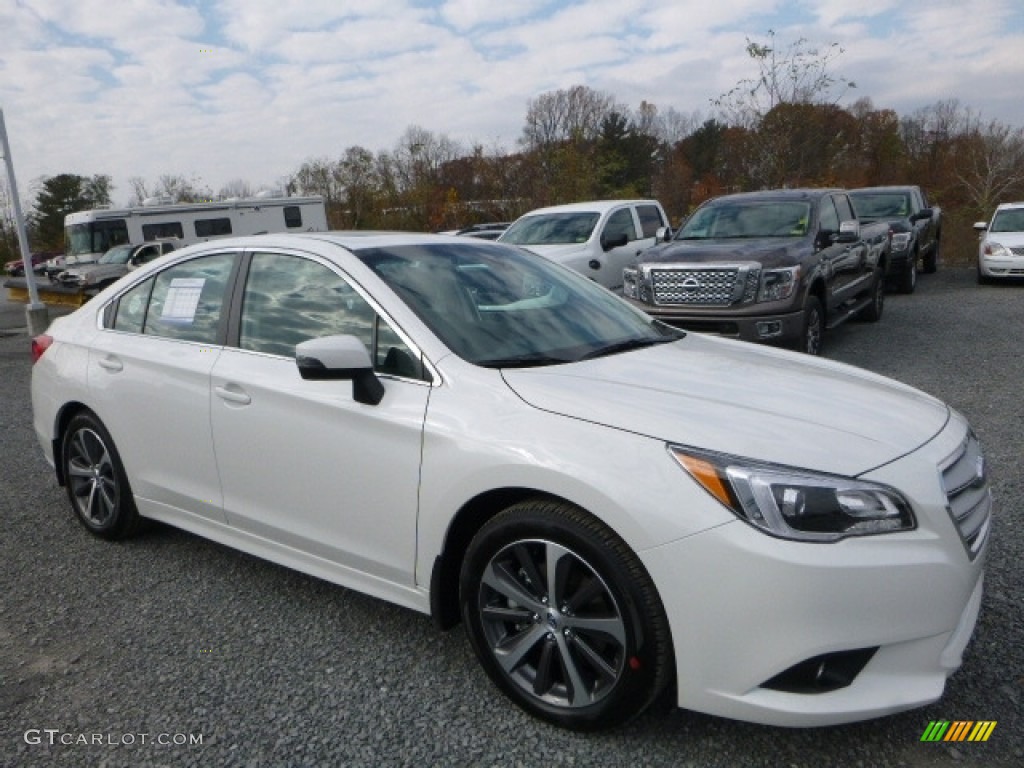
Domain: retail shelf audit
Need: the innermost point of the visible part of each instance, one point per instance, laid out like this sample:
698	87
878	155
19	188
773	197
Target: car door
149	377
839	260
619	222
303	463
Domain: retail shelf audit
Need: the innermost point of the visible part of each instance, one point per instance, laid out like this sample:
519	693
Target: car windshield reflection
501	307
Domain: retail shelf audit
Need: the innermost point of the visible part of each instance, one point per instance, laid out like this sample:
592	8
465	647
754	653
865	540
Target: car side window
289	299
619	223
650	219
827	216
131	308
187	299
845	209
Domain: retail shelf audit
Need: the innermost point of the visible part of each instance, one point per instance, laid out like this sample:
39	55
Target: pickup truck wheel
930	264
814	327
872	313
908	280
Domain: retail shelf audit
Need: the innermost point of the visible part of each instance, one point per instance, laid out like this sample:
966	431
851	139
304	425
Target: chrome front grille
1017	251
968	495
706	286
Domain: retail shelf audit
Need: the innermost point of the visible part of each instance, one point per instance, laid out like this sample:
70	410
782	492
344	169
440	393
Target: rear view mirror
340	358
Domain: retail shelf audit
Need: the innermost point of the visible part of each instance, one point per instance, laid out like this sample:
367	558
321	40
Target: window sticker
182	300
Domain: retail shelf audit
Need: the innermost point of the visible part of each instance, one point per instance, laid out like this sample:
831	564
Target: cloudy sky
225	89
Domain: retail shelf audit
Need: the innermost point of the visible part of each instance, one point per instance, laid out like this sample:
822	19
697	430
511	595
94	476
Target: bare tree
797	74
992	165
563	115
236	188
139	190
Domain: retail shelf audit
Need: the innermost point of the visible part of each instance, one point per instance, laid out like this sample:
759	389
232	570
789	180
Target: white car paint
235	446
1001	249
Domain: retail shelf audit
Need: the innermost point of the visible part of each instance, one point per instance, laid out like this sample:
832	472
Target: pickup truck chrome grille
968	494
714	286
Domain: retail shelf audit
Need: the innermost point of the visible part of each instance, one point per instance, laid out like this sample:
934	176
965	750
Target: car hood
97	270
768	251
741	399
1008	239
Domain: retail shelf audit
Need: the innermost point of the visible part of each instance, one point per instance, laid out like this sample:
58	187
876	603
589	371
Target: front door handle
232	395
111	364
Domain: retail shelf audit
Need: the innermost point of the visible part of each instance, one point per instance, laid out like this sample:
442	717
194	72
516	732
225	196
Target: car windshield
880	205
118	255
552	229
770	218
1009	220
500	307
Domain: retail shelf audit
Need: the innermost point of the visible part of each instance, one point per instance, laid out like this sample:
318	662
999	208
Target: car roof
806	194
893	189
592	206
1008	206
350	240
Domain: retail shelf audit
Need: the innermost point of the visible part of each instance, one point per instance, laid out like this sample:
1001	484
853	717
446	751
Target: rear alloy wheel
96	483
563	616
812	337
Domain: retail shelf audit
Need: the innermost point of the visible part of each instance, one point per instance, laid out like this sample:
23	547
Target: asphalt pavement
169	650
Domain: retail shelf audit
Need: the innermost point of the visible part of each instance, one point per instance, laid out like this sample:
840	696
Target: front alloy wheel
814	327
563	617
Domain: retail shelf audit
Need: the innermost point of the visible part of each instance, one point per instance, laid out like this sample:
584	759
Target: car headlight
778	284
795	503
900	241
996	250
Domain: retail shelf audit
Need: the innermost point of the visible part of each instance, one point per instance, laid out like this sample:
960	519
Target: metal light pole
37	316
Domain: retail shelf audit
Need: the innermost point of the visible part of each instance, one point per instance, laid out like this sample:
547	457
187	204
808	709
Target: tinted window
213	227
619	223
845	209
188	299
163	229
828	217
650	219
289	299
292	216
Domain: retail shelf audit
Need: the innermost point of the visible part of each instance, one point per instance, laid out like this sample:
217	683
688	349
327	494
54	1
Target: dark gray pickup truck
776	266
916	229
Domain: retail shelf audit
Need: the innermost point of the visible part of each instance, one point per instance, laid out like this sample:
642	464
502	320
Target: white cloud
250	88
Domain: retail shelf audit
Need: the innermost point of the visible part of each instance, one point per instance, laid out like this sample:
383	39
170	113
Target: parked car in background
916	229
612	507
114	264
16	268
1001	249
488	231
598	239
776	266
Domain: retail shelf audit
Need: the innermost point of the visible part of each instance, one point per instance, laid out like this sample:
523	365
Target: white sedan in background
611	507
1001	250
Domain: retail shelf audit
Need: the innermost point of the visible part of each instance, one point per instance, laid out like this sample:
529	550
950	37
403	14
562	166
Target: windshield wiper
626	346
522	361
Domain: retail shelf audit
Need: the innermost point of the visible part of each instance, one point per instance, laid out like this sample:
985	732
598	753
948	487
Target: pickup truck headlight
778	284
631	283
797	504
900	241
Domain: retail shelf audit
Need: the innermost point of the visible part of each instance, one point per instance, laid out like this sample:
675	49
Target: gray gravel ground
169	634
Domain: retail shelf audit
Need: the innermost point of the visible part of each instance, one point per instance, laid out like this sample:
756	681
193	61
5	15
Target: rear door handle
111	364
232	394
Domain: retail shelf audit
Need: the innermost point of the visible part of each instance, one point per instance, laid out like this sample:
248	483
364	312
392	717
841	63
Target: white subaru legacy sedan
614	509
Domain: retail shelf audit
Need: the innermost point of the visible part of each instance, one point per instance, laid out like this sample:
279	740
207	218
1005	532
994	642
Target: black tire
585	648
812	336
95	480
872	313
930	263
984	279
908	278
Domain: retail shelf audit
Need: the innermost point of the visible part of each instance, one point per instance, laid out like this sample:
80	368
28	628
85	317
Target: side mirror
849	231
981	226
663	235
607	243
340	358
924	213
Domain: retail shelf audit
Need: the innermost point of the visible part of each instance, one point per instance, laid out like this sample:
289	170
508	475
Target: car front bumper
747	609
773	327
1011	266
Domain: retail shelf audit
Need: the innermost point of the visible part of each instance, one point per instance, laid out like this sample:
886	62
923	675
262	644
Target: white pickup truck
598	239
